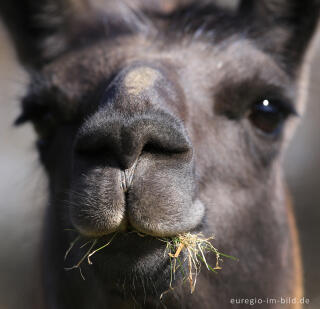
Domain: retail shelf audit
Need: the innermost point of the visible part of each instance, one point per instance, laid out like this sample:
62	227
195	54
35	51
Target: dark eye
269	115
43	118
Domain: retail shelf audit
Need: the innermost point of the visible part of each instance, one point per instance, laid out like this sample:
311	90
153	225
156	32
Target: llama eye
35	113
269	115
42	116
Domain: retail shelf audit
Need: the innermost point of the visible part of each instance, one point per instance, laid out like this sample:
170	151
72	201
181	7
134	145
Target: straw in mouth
186	252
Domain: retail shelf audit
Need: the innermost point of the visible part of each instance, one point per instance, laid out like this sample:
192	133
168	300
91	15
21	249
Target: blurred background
22	186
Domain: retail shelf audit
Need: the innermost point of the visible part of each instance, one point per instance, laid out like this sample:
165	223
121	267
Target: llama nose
133	160
126	138
133	117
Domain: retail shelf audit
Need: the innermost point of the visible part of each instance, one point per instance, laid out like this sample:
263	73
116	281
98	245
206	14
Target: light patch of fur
140	79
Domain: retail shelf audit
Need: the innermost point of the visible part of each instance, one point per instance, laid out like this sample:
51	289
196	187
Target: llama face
168	131
139	138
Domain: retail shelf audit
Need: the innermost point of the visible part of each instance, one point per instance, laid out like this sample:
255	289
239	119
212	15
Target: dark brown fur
165	90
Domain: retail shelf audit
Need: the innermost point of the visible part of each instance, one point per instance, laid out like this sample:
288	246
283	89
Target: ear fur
43	29
283	27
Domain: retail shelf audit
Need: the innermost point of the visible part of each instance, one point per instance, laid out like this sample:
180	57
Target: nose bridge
134	114
144	86
140	79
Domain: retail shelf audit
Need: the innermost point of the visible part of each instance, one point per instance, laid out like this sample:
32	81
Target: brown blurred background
22	186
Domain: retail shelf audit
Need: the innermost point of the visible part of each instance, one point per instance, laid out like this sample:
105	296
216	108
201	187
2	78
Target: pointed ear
283	27
43	29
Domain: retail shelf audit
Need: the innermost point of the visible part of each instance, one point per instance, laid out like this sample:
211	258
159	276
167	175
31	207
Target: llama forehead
232	64
243	57
79	74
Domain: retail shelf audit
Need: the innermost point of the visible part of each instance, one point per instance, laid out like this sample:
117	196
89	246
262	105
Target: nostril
159	132
88	150
154	147
97	138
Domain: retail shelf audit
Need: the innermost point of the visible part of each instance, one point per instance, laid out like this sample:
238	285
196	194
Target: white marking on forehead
140	79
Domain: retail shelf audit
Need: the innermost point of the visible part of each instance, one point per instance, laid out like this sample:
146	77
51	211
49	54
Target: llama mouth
122	257
149	197
131	255
129	245
126	252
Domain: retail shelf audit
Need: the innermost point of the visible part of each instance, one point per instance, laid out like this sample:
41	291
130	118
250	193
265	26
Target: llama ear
284	27
43	29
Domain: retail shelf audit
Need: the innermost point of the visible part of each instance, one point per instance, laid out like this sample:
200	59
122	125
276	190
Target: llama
164	117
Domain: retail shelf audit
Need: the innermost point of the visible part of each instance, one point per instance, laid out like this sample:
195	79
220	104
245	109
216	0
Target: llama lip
127	177
132	252
150	183
128	253
115	244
